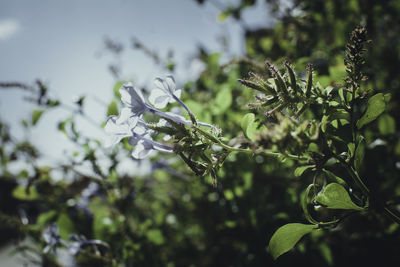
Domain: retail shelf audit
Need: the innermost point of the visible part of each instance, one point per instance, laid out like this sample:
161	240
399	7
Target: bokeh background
55	170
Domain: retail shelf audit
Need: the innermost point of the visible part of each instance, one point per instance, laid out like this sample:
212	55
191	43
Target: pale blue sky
60	43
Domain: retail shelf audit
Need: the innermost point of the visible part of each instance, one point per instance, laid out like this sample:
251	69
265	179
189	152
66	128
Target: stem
176	118
356	177
303	108
191	115
353	131
236	149
205	124
390	214
167	116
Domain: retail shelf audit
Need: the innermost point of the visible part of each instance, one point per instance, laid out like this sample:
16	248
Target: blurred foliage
169	217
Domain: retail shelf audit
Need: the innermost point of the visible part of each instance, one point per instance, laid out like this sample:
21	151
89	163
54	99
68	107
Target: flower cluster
130	122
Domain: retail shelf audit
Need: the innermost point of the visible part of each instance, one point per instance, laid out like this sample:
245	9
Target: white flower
117	131
144	144
133	100
164	93
139	134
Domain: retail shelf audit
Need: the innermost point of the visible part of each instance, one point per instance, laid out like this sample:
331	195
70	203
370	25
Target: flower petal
159	83
140	129
132	98
113	140
125	114
112	127
167	137
133	141
141	150
162	123
116	131
159	98
178	93
170	82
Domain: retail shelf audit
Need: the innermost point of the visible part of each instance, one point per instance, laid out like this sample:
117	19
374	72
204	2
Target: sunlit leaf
36	114
116	88
65	225
112	108
46	217
386	124
21	192
155	236
286	237
335	196
334	177
351	147
300	170
248	125
376	105
223	100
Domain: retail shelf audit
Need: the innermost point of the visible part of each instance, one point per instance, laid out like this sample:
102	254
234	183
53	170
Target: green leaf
335	196
326	253
223	100
21	192
112	108
66	225
286	237
376	105
36	114
386	124
46	217
351	147
248	125
155	236
222	16
359	154
116	88
229	194
299	170
334	177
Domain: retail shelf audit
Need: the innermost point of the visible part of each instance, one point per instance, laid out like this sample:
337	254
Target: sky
62	43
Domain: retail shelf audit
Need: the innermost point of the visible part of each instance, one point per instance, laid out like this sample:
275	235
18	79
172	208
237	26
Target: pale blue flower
164	93
134	103
129	123
133	99
139	134
118	131
144	144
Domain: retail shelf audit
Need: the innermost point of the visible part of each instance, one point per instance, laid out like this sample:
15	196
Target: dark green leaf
359	154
